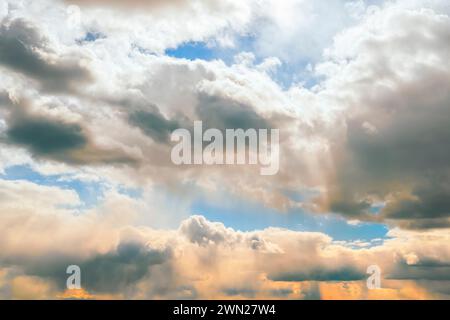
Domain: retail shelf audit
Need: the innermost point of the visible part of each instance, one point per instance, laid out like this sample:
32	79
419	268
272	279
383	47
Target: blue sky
246	216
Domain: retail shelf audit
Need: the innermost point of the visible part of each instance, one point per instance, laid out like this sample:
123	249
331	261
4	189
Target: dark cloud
5	100
425	270
222	113
214	112
426	201
320	274
112	272
246	292
391	148
423	223
45	136
154	124
56	139
404	160
24	50
117	270
351	208
394	151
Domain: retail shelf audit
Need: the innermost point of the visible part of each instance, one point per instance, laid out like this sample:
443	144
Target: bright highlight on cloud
91	91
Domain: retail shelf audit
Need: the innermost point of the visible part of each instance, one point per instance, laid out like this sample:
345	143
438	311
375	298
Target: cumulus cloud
403	163
25	50
99	99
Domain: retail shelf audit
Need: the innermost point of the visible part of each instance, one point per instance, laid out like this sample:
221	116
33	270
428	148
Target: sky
91	92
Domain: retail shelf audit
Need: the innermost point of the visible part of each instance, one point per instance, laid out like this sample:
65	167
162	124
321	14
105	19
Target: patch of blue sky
376	208
135	193
247	216
299	74
90	192
285	75
193	51
91	36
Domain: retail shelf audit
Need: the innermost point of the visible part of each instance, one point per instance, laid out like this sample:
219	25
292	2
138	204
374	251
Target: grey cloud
5	100
56	139
424	223
154	124
251	293
214	111
222	113
140	112
116	270
24	50
281	293
351	207
320	274
428	201
426	270
46	137
403	159
246	292
406	156
112	272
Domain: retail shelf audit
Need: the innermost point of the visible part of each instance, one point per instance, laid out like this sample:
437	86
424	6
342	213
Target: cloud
195	260
222	113
403	164
46	137
132	4
366	140
154	124
25	196
111	272
319	274
52	137
349	137
198	230
25	50
298	31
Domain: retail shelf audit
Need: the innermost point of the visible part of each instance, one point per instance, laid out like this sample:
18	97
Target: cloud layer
89	93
